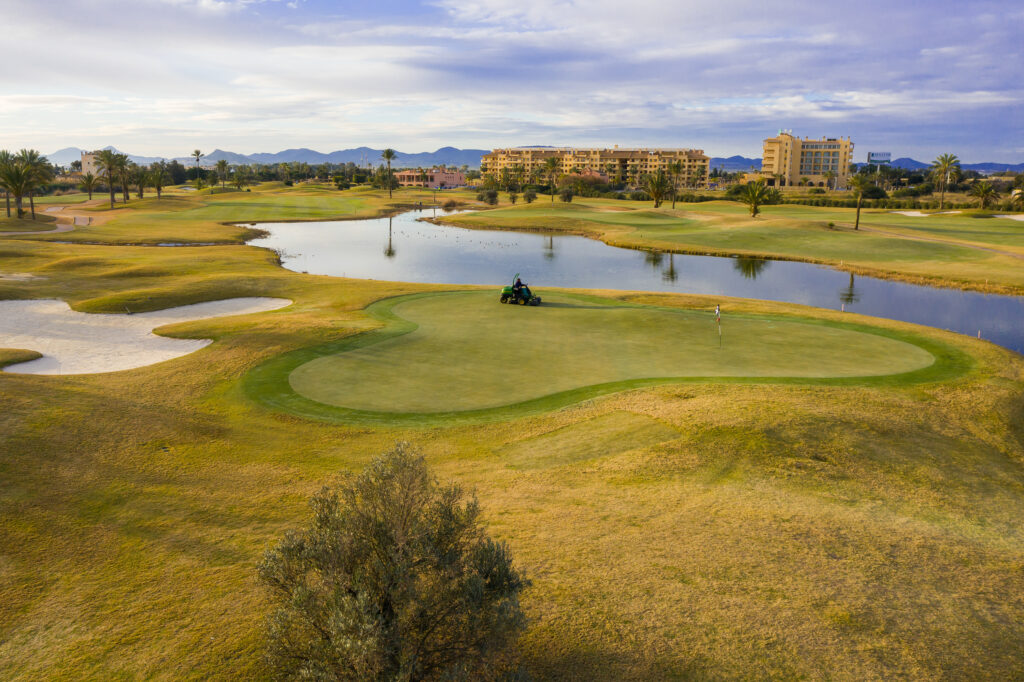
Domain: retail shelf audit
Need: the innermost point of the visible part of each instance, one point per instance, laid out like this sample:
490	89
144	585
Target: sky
163	77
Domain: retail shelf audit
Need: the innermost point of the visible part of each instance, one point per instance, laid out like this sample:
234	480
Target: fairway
468	352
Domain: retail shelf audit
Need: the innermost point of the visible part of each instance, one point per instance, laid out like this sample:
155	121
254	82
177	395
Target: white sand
83	343
19	276
1016	216
918	214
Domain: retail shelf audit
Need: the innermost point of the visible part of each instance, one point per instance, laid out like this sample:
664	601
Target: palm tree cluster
22	175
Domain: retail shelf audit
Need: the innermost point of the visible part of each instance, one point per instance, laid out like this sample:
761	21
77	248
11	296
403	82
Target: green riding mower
517	292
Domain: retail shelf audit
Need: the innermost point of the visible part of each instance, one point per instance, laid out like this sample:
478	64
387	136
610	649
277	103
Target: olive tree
393	579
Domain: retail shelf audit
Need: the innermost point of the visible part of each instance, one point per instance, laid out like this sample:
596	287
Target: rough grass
12	356
952	250
43	221
704	530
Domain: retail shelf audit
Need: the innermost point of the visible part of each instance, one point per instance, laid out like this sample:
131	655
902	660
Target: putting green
464	351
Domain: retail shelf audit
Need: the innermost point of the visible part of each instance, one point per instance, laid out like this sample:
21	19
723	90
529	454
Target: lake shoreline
920	280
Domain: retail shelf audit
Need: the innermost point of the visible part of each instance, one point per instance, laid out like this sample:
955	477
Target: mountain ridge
449	156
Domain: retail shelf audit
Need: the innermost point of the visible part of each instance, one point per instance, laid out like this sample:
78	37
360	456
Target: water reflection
750	268
848	295
670	274
367	249
389	250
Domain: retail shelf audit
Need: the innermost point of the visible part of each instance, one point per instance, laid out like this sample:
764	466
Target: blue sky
162	77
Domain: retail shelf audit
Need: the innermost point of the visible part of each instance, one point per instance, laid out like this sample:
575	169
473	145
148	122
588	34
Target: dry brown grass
786	531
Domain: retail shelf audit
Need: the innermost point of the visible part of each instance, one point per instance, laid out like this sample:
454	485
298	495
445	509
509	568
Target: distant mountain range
448	156
734	163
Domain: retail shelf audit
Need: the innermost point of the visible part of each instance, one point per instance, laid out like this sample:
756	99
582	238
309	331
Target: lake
405	249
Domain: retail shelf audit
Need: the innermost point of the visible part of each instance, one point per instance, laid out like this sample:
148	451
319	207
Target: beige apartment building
624	165
435	178
787	160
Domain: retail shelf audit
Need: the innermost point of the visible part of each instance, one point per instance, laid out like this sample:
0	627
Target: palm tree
830	177
141	178
985	192
241	177
756	194
15	179
38	172
388	155
551	170
859	184
675	169
197	155
942	167
89	182
109	162
222	171
158	176
6	159
1018	199
699	177
125	172
657	186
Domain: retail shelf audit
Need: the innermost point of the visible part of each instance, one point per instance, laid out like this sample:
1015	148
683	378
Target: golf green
464	351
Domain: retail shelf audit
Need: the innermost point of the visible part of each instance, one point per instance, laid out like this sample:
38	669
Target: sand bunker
918	214
1018	216
83	343
19	276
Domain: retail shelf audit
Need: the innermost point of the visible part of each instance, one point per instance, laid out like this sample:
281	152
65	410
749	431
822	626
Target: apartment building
789	160
623	165
435	178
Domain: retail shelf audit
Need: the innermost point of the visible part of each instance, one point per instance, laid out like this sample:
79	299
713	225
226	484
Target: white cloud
263	74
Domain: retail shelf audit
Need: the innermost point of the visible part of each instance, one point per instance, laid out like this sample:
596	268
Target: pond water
405	249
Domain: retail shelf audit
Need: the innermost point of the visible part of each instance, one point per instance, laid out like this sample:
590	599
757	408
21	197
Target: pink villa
435	178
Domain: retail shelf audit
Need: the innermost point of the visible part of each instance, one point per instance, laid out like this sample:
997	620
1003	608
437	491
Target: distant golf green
466	351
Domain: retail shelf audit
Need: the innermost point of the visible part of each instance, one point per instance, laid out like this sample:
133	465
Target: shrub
638	195
816	190
450	204
488	196
529	196
566	195
394	579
